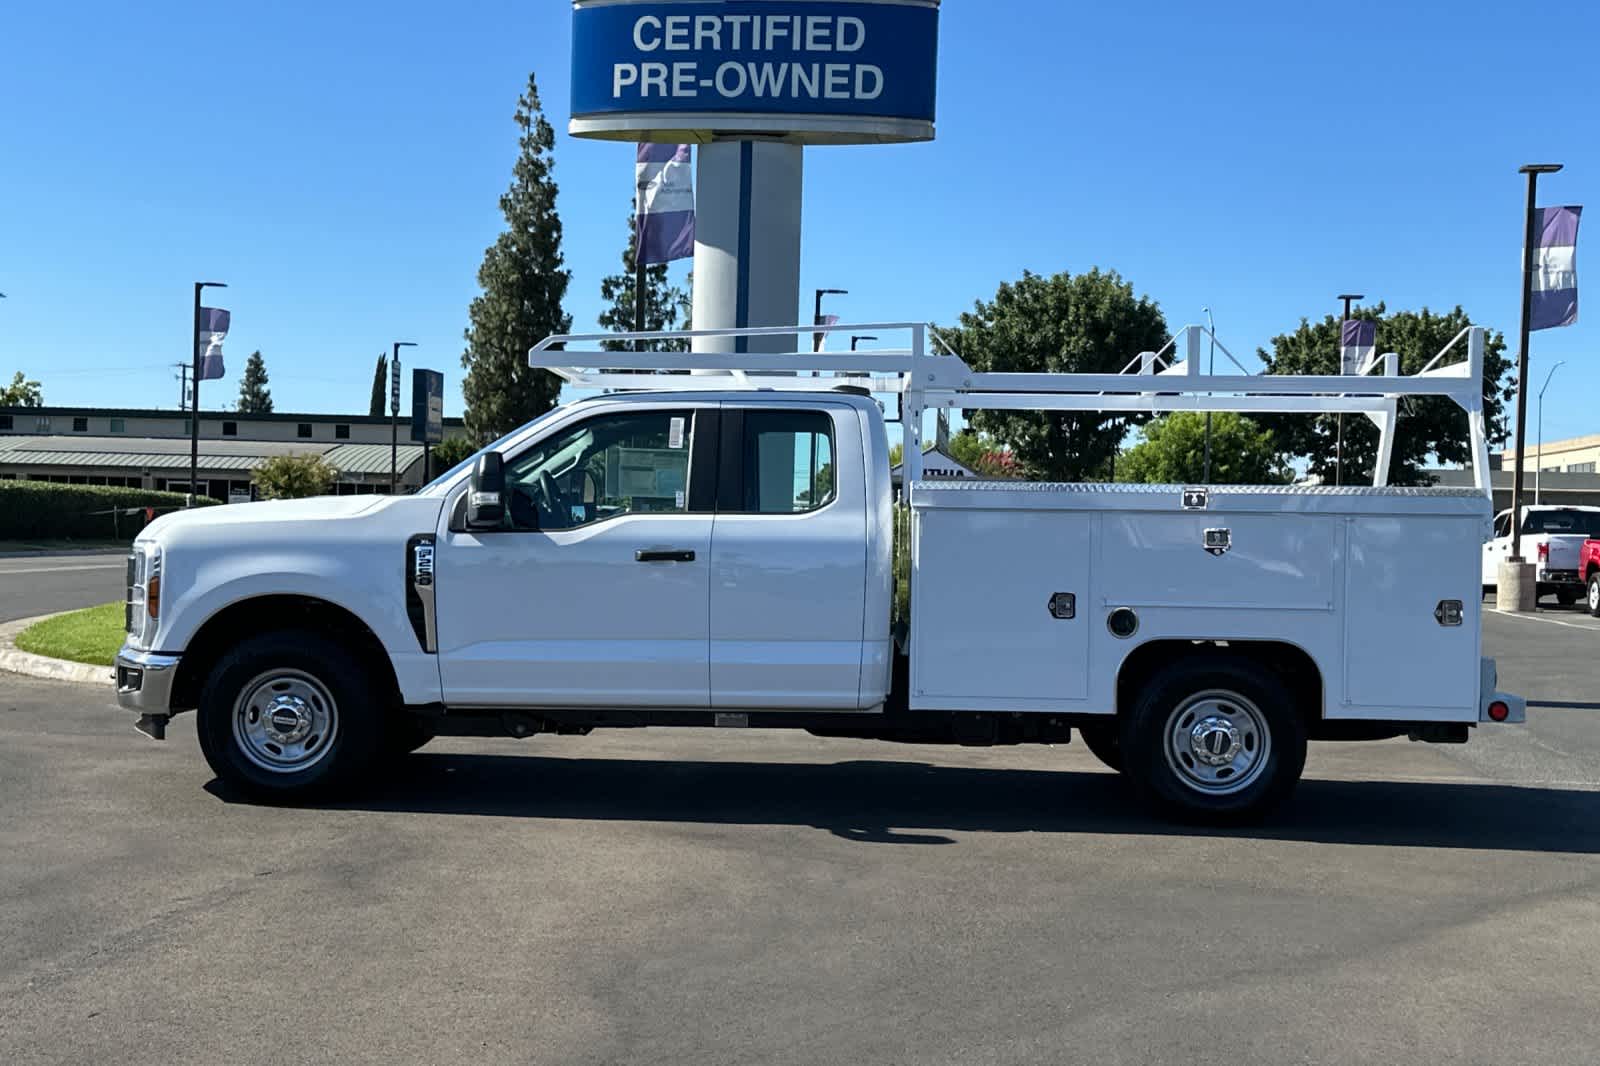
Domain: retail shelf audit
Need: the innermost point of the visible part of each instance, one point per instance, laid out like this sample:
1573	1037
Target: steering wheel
550	503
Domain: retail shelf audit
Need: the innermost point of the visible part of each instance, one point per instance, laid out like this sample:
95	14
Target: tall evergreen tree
380	386
664	303
254	396
524	281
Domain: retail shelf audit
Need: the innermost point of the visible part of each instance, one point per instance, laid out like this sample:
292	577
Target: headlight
144	594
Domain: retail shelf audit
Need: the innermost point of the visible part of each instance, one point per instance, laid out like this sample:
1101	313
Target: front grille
127	599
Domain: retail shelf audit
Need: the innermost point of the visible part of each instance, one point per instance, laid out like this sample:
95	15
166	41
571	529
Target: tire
1103	743
289	716
1238	710
1593	602
1566	597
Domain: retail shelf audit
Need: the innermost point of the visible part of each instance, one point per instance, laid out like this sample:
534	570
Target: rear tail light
1544	552
1498	711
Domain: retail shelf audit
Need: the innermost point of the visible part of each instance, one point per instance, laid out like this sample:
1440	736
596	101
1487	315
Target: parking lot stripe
1542	618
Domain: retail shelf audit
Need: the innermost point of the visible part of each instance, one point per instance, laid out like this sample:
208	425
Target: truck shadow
915	803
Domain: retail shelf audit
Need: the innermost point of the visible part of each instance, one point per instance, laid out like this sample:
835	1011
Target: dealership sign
809	71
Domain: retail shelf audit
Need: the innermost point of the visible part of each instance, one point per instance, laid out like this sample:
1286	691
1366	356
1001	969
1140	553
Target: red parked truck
1589	571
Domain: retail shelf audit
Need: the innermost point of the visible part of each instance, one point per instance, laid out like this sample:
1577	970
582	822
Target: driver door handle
664	555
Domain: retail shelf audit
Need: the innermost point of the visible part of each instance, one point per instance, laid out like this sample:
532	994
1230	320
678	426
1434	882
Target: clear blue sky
339	165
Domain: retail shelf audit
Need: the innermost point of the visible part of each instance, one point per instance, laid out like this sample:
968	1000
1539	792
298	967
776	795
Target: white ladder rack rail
928	381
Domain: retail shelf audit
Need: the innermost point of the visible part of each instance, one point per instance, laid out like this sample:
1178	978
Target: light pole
816	318
1529	237
1211	368
1538	463
194	377
857	340
394	417
1338	447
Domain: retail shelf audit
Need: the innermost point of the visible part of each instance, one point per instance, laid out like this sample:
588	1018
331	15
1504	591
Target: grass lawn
91	635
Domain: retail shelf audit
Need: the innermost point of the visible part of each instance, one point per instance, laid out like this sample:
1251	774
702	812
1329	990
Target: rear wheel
1566	597
1103	743
1594	594
289	715
1215	740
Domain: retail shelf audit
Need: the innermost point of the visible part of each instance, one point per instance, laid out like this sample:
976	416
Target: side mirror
486	506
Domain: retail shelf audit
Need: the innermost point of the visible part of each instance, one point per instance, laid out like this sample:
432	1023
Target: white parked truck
1552	539
718	549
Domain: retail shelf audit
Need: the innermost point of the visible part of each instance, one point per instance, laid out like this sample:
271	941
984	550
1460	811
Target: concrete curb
21	662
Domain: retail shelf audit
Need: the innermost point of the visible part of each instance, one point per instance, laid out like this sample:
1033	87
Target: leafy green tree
1428	426
449	452
294	477
1172	452
21	393
254	396
380	387
664	303
524	281
1084	323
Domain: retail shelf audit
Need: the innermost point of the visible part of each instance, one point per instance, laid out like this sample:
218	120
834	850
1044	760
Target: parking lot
747	897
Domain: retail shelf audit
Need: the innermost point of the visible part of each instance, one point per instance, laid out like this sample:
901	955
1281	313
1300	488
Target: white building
149	449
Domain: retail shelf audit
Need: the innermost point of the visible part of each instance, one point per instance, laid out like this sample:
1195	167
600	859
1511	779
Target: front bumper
144	684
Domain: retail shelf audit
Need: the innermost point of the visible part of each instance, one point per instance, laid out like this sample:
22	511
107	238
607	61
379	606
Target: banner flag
665	206
213	328
1554	300
1358	343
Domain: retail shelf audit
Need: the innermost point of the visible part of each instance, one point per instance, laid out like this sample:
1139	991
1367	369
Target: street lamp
1211	368
194	406
856	340
1538	463
816	318
1529	237
394	417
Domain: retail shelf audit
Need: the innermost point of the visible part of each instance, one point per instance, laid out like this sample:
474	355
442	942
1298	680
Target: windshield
1585	523
438	483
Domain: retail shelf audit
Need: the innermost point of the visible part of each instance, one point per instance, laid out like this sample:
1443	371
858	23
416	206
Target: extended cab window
788	461
611	465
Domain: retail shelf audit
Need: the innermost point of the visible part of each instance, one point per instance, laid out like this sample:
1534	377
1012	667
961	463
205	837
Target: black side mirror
486	496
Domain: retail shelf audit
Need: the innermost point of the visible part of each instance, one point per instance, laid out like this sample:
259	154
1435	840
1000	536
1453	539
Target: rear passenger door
788	559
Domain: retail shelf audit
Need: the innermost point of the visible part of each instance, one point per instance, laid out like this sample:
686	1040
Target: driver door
595	591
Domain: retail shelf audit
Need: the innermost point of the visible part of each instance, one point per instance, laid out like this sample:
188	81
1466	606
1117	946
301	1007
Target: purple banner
1554	299
665	207
214	324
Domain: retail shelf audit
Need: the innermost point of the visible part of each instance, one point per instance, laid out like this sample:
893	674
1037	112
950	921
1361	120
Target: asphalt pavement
44	584
753	897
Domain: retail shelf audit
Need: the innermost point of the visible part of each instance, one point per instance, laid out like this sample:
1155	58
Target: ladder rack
1150	383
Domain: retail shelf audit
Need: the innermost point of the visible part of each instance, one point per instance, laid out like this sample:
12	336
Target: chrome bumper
144	684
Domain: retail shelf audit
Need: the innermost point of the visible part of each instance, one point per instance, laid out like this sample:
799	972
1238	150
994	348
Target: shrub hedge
46	510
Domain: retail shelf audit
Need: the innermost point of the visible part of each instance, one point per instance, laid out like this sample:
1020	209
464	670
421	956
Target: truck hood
304	518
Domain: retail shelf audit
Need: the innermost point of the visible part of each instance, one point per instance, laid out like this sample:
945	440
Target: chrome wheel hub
1217	742
285	721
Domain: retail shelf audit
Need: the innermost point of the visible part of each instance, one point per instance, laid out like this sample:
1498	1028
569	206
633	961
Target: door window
788	461
605	467
1502	525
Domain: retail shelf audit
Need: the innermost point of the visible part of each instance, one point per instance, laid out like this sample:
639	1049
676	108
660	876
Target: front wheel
1215	740
287	716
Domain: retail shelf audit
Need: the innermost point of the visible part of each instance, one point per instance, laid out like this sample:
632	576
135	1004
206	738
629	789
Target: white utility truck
718	548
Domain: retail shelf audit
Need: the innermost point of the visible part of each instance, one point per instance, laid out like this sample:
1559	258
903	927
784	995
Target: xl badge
1218	541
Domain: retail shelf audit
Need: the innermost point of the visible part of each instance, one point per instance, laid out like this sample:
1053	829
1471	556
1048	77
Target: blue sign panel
814	71
427	406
